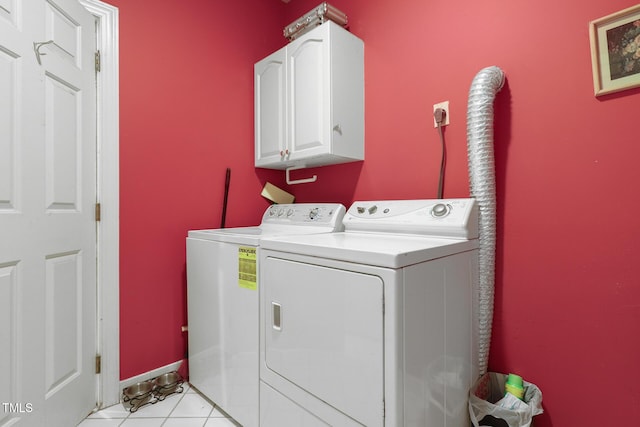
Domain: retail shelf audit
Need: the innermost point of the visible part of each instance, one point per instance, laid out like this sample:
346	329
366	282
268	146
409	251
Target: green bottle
514	386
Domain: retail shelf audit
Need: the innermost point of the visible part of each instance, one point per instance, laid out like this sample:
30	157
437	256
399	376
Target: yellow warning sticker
247	277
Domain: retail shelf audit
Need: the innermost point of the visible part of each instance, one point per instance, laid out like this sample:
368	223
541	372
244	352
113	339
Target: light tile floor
186	409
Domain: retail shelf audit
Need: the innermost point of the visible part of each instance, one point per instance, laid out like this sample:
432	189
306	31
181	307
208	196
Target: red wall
567	305
186	114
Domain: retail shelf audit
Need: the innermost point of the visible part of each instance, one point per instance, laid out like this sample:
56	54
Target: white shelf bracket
314	178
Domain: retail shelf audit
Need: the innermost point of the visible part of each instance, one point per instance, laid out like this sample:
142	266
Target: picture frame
615	51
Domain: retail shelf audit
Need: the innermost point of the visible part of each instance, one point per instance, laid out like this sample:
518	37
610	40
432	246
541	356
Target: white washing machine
375	325
223	303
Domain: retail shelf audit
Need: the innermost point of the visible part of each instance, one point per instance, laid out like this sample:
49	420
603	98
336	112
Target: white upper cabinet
309	101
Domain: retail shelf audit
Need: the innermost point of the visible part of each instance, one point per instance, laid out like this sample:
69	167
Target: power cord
440	116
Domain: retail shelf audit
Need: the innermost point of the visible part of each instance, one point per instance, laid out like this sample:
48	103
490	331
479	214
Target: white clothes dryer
375	325
223	303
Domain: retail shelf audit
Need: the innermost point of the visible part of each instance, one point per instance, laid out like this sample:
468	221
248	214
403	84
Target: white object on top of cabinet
309	101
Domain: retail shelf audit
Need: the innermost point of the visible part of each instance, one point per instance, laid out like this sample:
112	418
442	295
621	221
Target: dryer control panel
451	218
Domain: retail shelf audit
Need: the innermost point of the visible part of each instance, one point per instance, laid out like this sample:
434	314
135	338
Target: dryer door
324	333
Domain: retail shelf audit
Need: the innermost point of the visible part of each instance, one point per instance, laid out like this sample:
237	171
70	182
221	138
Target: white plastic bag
488	405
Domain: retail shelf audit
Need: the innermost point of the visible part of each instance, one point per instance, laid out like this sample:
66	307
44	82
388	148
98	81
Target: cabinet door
308	98
270	136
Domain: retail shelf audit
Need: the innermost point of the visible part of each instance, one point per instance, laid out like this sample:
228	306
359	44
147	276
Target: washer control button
313	213
440	210
373	209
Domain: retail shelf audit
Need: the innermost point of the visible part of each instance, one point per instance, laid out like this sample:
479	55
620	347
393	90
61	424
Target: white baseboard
150	374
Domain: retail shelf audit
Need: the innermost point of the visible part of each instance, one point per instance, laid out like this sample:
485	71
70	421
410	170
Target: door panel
62	146
7	10
9	71
63	29
324	333
63	346
8	335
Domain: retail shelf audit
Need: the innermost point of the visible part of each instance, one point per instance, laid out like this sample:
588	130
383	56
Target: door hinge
97	212
97	59
98	363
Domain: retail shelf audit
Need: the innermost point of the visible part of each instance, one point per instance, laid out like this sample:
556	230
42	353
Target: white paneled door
47	213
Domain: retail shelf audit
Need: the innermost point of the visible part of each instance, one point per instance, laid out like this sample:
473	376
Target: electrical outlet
445	106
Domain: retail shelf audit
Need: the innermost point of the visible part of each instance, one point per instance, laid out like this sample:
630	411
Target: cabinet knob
338	128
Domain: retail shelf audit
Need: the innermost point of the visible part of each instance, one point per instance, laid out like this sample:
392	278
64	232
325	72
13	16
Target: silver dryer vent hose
482	181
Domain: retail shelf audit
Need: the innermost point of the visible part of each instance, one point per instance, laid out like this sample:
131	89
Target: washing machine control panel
455	218
305	214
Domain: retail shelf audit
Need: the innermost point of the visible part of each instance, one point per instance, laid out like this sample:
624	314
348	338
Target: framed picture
615	51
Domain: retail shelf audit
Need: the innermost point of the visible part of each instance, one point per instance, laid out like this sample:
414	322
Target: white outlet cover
445	106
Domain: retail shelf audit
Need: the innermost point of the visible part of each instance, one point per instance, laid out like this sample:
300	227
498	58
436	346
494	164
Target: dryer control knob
440	210
313	213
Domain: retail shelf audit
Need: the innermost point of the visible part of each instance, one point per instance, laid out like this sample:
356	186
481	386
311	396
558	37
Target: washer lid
241	235
382	250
